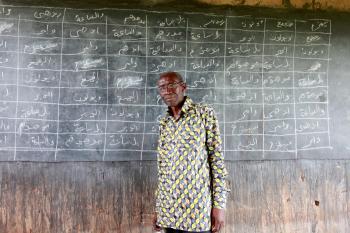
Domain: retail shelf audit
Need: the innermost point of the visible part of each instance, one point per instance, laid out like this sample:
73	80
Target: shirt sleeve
156	192
156	200
216	160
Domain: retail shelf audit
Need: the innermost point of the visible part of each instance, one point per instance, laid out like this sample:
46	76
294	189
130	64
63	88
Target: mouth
169	98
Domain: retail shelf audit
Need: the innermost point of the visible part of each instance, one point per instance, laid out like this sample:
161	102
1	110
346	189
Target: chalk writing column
127	80
311	87
205	62
40	33
166	52
278	93
243	79
83	86
9	20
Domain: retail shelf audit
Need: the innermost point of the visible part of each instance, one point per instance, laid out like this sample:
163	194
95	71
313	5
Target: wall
104	197
269	196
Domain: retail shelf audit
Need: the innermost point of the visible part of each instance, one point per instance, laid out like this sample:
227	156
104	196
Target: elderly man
191	193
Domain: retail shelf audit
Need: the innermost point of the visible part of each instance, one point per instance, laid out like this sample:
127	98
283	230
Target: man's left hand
217	219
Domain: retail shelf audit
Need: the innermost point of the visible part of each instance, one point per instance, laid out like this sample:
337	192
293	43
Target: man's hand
154	221
217	219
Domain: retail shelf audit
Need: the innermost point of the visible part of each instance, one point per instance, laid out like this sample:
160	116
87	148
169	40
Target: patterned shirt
191	169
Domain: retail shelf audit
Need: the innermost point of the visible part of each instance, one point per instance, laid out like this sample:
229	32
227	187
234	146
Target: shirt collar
185	107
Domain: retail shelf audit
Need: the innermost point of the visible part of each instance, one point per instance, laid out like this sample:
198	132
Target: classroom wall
289	196
95	197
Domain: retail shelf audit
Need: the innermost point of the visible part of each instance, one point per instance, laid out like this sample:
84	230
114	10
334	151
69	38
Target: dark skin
173	96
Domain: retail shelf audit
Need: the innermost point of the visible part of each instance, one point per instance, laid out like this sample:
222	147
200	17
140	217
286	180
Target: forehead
167	79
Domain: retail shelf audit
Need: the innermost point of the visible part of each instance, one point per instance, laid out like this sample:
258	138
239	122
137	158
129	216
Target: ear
184	86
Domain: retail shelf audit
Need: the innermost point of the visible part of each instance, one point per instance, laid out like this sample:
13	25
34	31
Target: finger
218	227
157	228
215	228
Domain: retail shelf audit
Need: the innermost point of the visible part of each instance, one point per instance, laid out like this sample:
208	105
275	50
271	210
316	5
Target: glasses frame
170	86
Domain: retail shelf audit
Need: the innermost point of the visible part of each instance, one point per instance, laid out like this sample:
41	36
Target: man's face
171	90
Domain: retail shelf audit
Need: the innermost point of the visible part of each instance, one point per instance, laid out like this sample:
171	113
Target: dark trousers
170	230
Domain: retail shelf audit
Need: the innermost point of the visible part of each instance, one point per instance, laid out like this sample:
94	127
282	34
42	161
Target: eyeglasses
171	86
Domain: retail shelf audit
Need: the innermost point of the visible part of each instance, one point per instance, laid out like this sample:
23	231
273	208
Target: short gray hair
172	73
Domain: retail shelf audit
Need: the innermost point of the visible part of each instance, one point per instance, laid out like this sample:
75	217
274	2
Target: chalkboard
80	84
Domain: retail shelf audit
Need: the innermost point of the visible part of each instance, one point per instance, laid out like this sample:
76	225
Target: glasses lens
168	86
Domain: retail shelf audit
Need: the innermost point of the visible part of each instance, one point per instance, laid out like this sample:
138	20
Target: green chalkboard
79	84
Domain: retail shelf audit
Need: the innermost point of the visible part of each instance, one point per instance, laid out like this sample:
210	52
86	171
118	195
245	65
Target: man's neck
176	111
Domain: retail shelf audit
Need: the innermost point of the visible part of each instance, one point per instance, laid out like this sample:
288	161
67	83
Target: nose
166	90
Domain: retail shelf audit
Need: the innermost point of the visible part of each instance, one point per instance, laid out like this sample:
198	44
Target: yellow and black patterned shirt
191	169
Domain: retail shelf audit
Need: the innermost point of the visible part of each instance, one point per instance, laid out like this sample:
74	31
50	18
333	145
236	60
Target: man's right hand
155	226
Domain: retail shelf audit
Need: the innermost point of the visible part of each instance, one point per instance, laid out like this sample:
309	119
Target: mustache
168	96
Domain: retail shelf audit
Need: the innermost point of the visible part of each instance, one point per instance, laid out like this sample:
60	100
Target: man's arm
154	222
217	219
218	170
155	214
